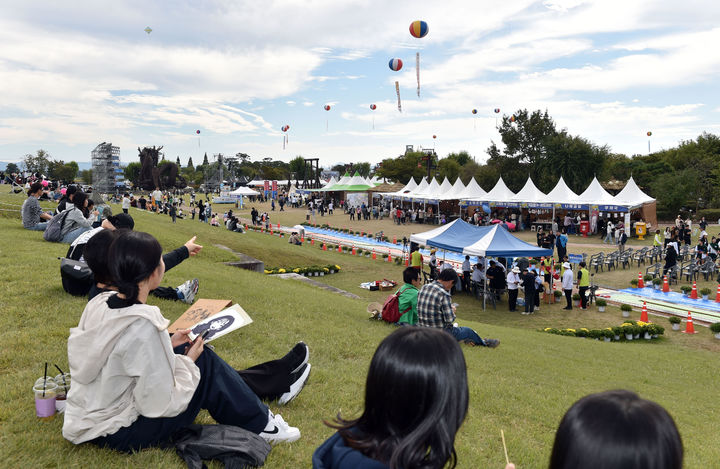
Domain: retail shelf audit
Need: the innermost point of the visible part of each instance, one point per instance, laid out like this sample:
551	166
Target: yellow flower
297	270
282	271
570	330
337	267
547	329
268	271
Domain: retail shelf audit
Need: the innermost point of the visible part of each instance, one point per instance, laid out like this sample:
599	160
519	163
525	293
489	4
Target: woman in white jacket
134	385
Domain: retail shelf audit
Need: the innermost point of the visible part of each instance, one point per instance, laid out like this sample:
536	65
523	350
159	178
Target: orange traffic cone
374	256
666	285
353	251
389	257
271	230
689	327
278	225
717	297
643	314
339	248
245	226
641	283
312	241
302	239
407	260
362	233
324	247
693	293
394	240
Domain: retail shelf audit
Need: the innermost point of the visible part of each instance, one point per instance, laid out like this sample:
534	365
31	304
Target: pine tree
178	162
190	163
205	161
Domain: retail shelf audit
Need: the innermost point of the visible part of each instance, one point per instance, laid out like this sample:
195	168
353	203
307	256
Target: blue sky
74	74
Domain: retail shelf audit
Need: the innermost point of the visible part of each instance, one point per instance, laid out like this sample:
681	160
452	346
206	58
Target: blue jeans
72	235
221	391
465	334
39	227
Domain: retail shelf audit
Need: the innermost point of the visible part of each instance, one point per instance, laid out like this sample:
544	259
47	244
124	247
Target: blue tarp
498	242
458	236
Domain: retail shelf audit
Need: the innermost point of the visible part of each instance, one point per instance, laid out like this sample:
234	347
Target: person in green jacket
407	296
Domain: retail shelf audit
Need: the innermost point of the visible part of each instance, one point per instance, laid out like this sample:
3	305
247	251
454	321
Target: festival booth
632	197
355	189
241	192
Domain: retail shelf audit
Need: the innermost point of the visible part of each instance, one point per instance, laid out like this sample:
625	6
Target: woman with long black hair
134	385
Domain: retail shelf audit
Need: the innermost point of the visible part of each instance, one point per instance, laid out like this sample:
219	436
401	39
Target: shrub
626	307
656	281
601	302
686	289
576	296
634	282
647	277
705	291
715	327
674	320
557	293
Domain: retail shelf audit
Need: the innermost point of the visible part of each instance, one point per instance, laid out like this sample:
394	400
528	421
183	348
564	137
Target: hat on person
566	265
516	270
433	251
122	220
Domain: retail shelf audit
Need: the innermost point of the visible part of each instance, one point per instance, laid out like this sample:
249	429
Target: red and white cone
374	256
641	283
666	285
643	314
689	327
693	293
717	296
389	257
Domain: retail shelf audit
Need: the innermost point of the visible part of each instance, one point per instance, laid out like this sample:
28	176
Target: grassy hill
523	387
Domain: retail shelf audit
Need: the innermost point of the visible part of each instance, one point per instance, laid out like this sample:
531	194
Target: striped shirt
434	306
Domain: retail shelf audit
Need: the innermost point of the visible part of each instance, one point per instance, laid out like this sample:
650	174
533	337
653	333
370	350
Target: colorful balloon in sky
285	128
419	29
474	111
197	132
497	110
395	64
373	107
434	136
649	133
148	29
326	107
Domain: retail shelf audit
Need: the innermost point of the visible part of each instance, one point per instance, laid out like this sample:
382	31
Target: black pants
561	253
568	298
512	298
583	296
166	293
529	300
466	280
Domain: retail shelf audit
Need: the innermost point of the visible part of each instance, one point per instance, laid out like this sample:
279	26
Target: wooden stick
502	434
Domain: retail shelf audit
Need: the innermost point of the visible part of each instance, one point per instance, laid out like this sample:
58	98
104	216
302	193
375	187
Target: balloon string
417	68
397	90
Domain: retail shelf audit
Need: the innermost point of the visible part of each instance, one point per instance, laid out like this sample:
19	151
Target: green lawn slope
523	387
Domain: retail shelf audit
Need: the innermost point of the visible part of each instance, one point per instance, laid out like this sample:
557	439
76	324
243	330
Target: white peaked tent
596	195
530	194
561	193
500	193
455	190
444	190
430	193
330	183
472	191
632	196
422	187
240	191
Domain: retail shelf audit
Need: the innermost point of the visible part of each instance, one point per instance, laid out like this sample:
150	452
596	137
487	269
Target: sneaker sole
298	386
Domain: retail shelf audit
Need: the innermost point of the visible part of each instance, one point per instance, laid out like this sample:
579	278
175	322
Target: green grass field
523	387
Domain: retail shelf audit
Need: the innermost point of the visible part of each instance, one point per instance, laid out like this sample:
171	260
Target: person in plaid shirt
435	309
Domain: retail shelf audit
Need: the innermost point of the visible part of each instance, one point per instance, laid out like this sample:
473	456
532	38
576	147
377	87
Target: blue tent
498	242
451	237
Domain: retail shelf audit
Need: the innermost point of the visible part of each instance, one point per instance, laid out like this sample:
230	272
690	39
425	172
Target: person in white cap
567	284
513	281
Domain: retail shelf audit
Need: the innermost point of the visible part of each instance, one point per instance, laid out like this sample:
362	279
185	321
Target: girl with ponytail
134	385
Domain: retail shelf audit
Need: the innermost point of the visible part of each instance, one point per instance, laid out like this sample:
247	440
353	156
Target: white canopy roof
596	195
432	191
244	191
561	193
331	182
632	195
421	238
500	193
530	193
472	191
444	190
422	187
455	190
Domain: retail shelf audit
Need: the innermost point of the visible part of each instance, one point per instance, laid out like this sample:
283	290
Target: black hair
133	257
413	423
96	255
34	187
410	274
447	275
582	264
617	429
70	191
79	200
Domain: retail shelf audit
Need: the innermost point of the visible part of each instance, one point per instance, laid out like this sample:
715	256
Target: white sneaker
188	290
278	431
296	386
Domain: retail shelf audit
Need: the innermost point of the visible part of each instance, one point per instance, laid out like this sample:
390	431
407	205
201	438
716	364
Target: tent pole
485	287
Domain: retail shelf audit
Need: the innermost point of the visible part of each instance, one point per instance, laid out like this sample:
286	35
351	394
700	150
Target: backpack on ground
53	231
391	308
77	278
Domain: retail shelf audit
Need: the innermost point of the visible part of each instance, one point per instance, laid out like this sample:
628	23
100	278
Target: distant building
106	171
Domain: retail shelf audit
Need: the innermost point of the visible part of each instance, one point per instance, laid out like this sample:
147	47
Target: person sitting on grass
435	310
135	385
408	296
95	254
415	425
77	221
32	214
295	239
617	429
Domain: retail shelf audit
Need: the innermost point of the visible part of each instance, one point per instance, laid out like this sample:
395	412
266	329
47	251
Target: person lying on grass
135	385
98	254
415	424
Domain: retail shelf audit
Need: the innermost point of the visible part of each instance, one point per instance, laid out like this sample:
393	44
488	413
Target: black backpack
53	231
77	278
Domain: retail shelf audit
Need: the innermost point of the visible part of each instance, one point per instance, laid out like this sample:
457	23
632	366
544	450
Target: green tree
362	168
86	176
38	163
297	167
190	163
676	190
462	157
402	168
177	162
132	172
448	168
340	168
525	136
205	160
62	171
11	168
